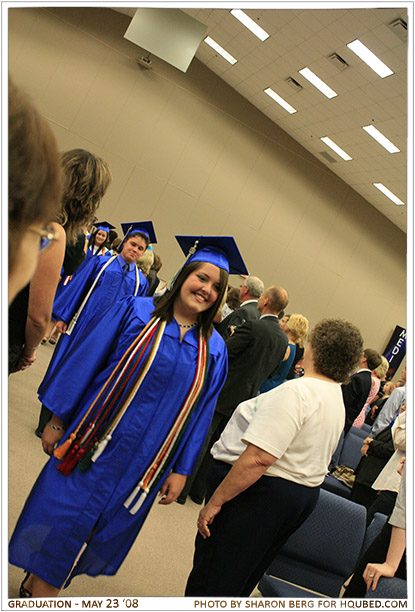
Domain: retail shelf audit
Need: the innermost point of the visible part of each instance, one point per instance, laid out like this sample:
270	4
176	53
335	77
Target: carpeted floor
161	558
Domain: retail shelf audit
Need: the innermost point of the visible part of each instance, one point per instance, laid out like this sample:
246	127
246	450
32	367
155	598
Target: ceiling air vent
294	84
338	61
400	28
328	157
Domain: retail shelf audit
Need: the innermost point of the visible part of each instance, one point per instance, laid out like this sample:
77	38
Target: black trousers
376	553
384	503
246	534
196	483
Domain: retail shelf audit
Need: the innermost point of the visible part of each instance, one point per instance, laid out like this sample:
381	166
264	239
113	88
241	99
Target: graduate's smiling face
133	248
201	288
100	238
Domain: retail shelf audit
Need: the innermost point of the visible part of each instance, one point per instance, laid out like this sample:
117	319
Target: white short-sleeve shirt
299	422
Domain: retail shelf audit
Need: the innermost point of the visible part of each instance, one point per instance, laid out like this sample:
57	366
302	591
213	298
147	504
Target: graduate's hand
50	438
61	327
205	518
172	487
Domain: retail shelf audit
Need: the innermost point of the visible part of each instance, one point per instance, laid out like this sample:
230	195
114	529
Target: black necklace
187	326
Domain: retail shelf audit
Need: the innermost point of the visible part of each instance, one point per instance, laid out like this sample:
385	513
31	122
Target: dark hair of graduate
134	234
165	303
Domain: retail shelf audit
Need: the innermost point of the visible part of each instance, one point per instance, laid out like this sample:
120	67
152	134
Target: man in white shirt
390	410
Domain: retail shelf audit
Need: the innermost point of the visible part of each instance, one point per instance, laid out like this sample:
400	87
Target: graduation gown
111	286
61	511
67	277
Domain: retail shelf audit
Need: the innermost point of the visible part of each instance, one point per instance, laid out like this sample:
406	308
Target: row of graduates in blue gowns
99	282
131	369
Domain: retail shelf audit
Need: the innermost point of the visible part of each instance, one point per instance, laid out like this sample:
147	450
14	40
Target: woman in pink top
377	376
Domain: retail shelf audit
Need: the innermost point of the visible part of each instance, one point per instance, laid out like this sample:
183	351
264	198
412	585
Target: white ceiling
306	37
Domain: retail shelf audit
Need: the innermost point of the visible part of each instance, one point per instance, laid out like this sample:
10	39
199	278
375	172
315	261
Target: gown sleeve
143	288
87	359
186	460
67	303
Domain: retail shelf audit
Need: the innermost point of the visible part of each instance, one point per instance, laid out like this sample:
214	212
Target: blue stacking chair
321	554
350	456
389	588
367	429
362	433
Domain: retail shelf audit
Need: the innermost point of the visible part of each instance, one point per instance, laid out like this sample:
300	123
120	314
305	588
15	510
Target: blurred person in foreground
35	183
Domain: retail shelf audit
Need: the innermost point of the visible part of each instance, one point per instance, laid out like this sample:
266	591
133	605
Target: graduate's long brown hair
165	303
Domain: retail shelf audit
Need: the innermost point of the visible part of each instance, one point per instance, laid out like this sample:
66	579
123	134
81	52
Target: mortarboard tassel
61	451
191	252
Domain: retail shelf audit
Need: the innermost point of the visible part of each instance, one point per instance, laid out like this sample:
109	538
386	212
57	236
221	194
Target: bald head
273	300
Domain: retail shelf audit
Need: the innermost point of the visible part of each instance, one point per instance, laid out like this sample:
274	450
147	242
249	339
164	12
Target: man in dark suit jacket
356	392
255	351
251	289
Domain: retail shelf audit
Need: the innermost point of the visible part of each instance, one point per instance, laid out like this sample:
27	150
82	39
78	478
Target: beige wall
191	154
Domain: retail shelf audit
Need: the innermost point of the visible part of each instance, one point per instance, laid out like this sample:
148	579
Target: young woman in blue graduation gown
62	511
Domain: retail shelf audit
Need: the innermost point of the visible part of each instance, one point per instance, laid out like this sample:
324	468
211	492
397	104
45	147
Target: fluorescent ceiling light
387	144
370	58
389	194
314	80
250	24
271	93
336	148
229	58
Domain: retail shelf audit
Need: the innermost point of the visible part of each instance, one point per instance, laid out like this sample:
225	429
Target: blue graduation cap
146	227
104	226
218	250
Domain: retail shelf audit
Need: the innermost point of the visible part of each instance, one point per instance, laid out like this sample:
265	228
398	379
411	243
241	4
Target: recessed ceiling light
370	58
271	93
229	58
250	24
317	82
328	141
382	140
389	194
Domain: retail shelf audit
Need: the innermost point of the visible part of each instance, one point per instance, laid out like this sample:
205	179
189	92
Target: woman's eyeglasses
47	236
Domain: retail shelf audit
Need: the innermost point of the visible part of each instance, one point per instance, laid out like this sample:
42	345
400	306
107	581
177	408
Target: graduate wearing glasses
130	414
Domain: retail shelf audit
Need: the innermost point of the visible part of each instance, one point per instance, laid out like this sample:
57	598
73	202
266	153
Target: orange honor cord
161	458
60	452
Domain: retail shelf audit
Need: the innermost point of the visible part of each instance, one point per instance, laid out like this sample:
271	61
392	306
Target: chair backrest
373	530
351	451
322	553
358	432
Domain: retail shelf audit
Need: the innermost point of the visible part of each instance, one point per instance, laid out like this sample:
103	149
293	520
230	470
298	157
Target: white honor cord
88	295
